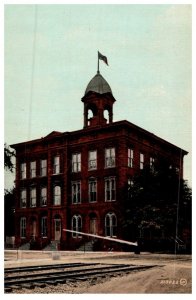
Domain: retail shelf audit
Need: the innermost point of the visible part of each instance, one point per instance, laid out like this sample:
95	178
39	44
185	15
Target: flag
102	57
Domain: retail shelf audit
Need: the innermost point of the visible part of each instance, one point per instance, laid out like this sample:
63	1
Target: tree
9	210
9	199
8	155
158	206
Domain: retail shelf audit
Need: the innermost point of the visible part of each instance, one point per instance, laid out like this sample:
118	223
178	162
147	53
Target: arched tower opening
98	102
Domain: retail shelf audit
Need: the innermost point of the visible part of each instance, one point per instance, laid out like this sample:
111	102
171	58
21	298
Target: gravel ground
172	274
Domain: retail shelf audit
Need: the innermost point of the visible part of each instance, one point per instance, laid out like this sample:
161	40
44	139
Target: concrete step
88	246
25	247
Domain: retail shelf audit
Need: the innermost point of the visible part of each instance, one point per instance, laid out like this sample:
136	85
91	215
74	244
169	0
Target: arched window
23	198
23	227
43	196
57	195
76	225
33	197
106	115
110	224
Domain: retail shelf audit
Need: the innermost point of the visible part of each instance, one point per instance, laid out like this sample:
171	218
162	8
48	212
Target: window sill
110	167
53	174
110	200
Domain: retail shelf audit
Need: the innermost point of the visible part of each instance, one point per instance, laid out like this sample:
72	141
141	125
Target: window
130	186
76	226
23	227
177	170
56	165
33	197
57	195
76	192
110	189
23	171
130	158
92	190
33	169
110	157
43	167
152	164
110	225
23	198
141	161
92	160
76	162
130	183
43	196
44	226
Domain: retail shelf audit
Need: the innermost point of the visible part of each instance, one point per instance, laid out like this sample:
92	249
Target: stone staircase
53	246
86	247
25	246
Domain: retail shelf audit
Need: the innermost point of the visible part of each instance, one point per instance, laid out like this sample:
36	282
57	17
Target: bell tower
98	102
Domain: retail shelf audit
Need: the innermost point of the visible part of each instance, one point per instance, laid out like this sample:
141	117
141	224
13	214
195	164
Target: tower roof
99	85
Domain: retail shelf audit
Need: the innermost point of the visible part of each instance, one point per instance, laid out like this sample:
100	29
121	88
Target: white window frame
23	226
130	184
23	171
152	162
33	169
44	226
23	198
130	157
76	192
110	157
33	198
92	190
56	164
92	160
110	189
43	167
77	226
57	195
76	162
110	228
141	161
43	196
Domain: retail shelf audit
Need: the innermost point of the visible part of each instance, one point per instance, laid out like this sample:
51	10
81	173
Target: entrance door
93	226
33	228
57	229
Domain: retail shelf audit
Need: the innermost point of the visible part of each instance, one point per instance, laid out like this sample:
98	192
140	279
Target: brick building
76	180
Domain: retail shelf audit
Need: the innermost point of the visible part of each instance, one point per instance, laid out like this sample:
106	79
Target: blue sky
51	55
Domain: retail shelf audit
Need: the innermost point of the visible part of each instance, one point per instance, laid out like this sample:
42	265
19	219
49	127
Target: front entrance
93	224
33	228
57	229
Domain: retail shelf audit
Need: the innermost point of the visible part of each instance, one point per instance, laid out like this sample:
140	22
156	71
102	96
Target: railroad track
41	276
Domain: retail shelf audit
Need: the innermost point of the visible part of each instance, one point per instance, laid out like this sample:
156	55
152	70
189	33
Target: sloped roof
99	85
